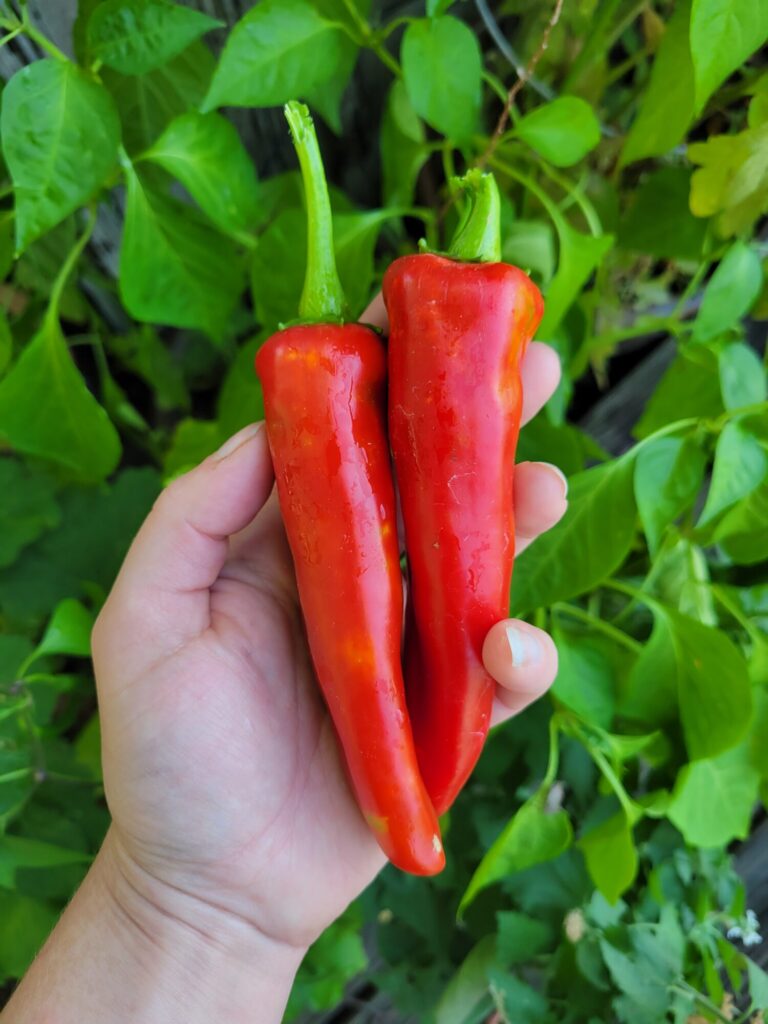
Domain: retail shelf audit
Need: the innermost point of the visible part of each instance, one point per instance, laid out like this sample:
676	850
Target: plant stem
373	40
322	299
553	759
617	635
42	41
478	237
586	207
68	266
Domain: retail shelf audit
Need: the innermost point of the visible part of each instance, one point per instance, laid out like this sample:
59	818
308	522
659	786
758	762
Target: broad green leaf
732	179
403	147
669	473
584	680
13	651
204	152
530	244
650	691
683	581
562	131
282	50
68	632
611	857
530	837
240	399
517	1001
714	717
667	107
442	68
714	799
742	376
28	508
521	937
60	135
87	746
587	545
136	36
6	341
148	103
659	221
468	985
193	441
68	427
143	353
278	267
741	532
27	923
730	293
579	256
758	985
174	268
689	388
724	33
740	466
18	852
84	551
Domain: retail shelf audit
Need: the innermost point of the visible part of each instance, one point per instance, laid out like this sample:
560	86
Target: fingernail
525	648
560	474
237	441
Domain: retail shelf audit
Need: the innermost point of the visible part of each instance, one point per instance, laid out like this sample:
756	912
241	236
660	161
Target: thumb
181	548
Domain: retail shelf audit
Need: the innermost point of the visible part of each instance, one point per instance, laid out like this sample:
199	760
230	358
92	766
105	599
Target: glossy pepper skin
324	386
458	332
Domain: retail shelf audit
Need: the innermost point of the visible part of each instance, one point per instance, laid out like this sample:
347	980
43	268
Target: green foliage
587	855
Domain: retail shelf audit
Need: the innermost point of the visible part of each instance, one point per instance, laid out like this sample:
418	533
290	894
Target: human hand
221	766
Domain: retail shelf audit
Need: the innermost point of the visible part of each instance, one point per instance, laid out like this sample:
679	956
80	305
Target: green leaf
143	353
714	798
60	135
584	680
172	262
6	341
667	107
586	546
26	925
18	852
659	221
468	985
650	694
282	50
521	937
240	399
689	388
562	131
724	33
741	532
442	68
193	441
136	36
669	473
68	632
148	103
87	746
403	147
28	508
714	717
730	293
742	376
530	244
530	837
204	152
579	257
69	426
740	466
516	1001
732	180
611	857
758	985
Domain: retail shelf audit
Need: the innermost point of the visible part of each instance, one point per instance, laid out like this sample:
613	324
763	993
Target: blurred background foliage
152	235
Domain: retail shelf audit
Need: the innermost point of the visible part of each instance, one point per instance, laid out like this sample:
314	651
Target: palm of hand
221	766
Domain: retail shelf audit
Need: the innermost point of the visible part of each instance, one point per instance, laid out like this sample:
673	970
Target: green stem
614	782
478	237
10	35
575	192
68	266
43	41
617	635
553	759
322	299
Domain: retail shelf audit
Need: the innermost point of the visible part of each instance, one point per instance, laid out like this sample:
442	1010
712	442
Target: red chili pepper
324	384
458	331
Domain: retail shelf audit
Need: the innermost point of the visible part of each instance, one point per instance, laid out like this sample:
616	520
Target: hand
220	763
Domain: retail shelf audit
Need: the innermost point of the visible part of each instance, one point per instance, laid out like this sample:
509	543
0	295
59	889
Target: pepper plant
590	860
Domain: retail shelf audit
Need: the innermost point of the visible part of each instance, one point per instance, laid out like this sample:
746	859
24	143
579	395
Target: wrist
210	963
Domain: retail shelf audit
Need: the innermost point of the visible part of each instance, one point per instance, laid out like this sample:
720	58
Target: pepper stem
323	297
478	236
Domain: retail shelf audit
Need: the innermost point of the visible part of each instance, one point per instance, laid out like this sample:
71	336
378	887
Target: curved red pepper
324	390
457	334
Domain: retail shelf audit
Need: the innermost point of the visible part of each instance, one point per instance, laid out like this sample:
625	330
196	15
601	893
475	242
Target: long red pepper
324	384
458	331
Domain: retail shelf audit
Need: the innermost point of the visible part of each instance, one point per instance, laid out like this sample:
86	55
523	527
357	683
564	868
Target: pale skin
235	839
